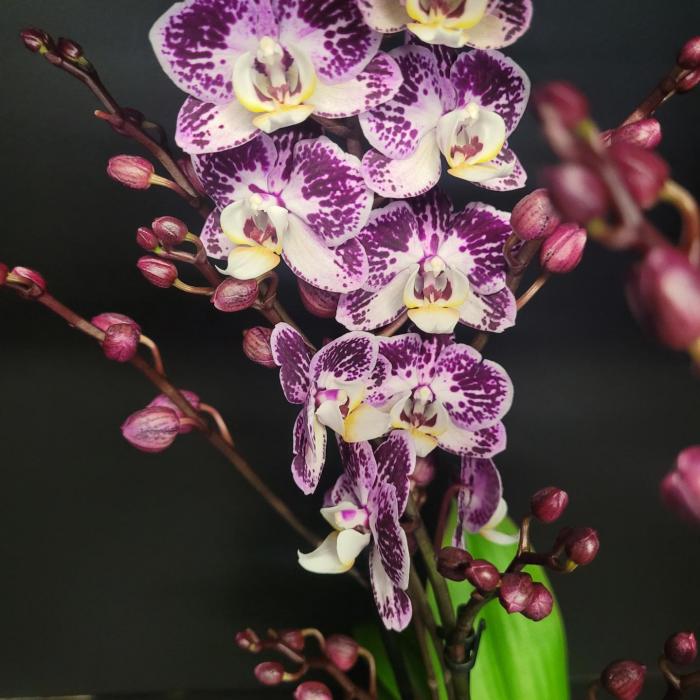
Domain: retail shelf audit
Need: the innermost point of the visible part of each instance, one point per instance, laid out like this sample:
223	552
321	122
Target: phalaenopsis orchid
316	132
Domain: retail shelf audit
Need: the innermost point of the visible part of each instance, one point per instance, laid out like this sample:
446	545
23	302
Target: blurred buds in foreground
624	680
582	545
645	133
132	171
294	639
4	271
577	192
681	648
235	295
169	230
680	489
568	103
563	250
313	690
269	673
548	504
317	301
160	273
689	55
643	172
151	429
342	651
36	40
424	471
256	345
534	216
247	640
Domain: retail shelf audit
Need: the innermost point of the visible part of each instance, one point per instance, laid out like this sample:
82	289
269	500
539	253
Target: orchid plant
314	132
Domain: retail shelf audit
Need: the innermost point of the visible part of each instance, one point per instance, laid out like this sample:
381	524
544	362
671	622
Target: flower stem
661	93
530	292
687	207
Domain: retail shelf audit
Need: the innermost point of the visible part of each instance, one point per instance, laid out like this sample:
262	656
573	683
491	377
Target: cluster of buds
680	488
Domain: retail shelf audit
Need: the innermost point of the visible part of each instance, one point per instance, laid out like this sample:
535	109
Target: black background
123	571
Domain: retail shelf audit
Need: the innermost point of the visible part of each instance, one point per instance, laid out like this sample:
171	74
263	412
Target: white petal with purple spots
389	537
505	22
385	16
360	470
292	356
215	241
350	358
486	442
478	499
514	180
489	312
396	459
393	604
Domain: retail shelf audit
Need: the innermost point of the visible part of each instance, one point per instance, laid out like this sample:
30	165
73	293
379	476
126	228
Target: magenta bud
151	429
121	342
582	545
563	250
294	639
164	401
534	216
540	604
515	592
313	690
548	504
269	673
624	680
644	172
169	230
146	238
256	345
342	651
70	49
4	271
577	192
36	40
110	318
186	166
566	101
317	301
689	55
247	640
424	471
681	648
235	295
689	82
680	489
32	277
132	171
645	133
483	575
160	273
452	563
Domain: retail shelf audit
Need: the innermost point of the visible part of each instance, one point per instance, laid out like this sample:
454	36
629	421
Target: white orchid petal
365	423
324	559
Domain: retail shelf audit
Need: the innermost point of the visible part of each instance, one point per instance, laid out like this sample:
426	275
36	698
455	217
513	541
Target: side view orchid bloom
262	65
364	508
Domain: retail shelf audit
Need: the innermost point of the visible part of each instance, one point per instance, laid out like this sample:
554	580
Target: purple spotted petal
341	269
385	16
285	140
235	174
515	180
393	604
477	502
360	470
197	42
395	127
309	449
377	83
489	312
507	21
327	191
475	392
473	244
486	442
203	127
444	55
331	33
349	358
495	82
389	536
403	353
378	392
292	355
396	459
433	212
215	242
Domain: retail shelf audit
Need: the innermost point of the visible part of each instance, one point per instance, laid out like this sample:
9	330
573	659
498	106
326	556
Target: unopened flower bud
424	471
109	318
247	640
563	250
235	295
645	133
577	192
680	489
169	230
4	270
121	342
452	563
313	690
165	401
534	216
624	680
689	55
317	301
689	82
342	651
256	345
681	648
515	591
548	504
540	604
36	40
160	273
70	49
582	545
186	166
151	429
567	101
132	171
32	277
146	239
269	673
644	172
294	639
483	575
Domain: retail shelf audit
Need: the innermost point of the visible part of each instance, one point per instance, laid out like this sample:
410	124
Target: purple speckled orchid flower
441	266
483	24
364	508
443	394
259	65
331	386
464	109
287	196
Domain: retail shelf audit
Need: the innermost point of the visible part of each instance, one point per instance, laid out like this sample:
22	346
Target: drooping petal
247	262
336	554
475	392
350	544
489	312
327	191
393	604
408	177
433	212
507	161
396	459
505	22
197	42
376	84
292	355
495	82
347	359
478	500
310	451
365	423
389	537
341	269
486	442
203	127
385	16
360	468
215	241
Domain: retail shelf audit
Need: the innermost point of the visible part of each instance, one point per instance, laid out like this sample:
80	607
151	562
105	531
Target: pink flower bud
452	563
186	166
256	345
31	277
582	545
342	651
165	402
160	273
645	133
169	230
680	489
424	471
269	673
624	680
563	250
110	318
317	301
515	592
681	648
294	639
312	690
689	55
70	49
151	429
644	172
235	295
132	171
247	640
534	216
146	239
577	192
36	40
4	271
540	604
689	82
548	504
567	101
483	575
121	342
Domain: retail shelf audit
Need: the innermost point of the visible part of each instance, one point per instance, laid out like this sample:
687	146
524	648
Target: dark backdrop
125	571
